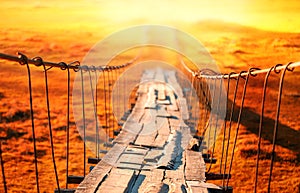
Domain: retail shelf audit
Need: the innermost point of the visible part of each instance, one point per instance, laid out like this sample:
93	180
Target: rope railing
235	103
109	75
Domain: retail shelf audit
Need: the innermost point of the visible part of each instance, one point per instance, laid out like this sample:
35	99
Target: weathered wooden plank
195	166
150	182
159	75
183	108
141	101
160	141
173	102
135	115
196	186
162	112
161	96
146	140
101	170
132	158
175	178
133	127
93	179
143	88
112	156
119	180
148	116
193	187
162	126
151	98
125	137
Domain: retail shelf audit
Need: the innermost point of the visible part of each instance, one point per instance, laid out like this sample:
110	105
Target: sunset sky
273	15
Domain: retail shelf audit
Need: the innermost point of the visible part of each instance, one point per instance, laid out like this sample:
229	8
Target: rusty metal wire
49	120
287	67
23	60
2	169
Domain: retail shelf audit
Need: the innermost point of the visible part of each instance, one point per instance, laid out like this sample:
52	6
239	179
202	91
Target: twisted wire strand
49	124
24	61
2	169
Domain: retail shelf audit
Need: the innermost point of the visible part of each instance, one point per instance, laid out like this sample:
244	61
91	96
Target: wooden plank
146	140
150	182
151	97
162	126
172	150
183	108
112	156
195	166
132	127
161	96
196	186
160	141
101	170
173	102
132	158
141	101
143	88
163	131
162	112
193	187
135	115
175	178
119	180
159	75
125	137
148	116
94	178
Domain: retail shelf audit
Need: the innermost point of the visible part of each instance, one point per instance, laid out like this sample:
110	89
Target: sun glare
276	15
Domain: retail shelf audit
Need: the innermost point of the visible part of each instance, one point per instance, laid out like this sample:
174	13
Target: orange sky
274	15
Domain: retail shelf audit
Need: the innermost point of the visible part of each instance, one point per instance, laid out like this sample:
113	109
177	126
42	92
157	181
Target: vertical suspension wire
239	121
216	124
196	86
68	126
207	106
261	120
75	64
124	98
114	77
118	95
24	61
96	109
2	169
49	118
203	104
83	118
94	105
213	88
277	122
110	99
225	121
105	107
199	101
230	124
193	78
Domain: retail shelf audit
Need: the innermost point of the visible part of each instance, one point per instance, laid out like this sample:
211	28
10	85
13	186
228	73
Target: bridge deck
151	152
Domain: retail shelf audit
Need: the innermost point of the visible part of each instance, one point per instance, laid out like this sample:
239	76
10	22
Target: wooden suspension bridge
153	152
156	149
